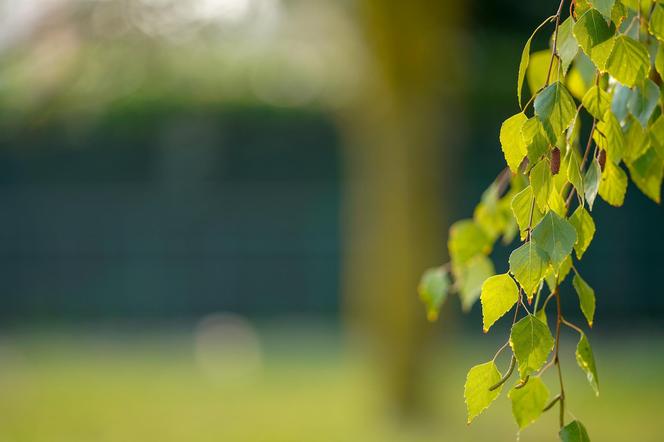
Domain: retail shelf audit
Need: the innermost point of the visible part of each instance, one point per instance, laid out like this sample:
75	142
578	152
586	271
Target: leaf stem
504	379
559	321
552	403
572	326
555	41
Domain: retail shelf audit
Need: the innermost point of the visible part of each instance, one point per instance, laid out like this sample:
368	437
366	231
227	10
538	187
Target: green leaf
629	61
574	175
613	185
556	236
525	59
605	7
621	96
557	203
574	432
647	172
511	142
538	70
467	240
568	47
659	60
523	65
469	278
637	141
541	183
657	135
529	401
555	108
597	102
528	264
609	137
586	360
534	139
586	297
591	30
585	230
656	25
476	391
499	294
531	342
591	182
558	276
433	288
522	205
643	101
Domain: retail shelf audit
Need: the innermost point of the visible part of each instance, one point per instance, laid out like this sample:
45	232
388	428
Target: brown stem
559	321
555	41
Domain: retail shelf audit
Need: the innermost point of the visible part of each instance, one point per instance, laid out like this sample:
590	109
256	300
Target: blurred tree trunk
405	118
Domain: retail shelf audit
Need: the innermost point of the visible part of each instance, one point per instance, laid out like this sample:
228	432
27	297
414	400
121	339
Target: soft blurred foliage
215	212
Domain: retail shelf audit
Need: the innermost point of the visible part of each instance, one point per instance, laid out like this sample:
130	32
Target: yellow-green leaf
531	342
586	297
433	288
591	182
585	230
586	360
568	47
541	183
629	61
534	139
555	108
499	294
574	175
656	25
522	206
659	60
467	240
647	172
604	6
469	278
511	141
553	276
476	390
529	401
613	186
529	264
609	137
597	102
591	30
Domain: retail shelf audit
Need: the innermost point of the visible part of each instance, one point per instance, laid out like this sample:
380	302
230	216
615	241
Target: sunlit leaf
613	186
585	230
433	288
555	108
528	264
499	294
586	360
586	297
511	142
541	183
476	391
529	401
531	342
629	61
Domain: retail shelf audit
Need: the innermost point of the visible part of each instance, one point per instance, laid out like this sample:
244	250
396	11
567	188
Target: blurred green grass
86	385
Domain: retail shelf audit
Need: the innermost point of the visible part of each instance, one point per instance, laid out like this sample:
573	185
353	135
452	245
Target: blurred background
214	215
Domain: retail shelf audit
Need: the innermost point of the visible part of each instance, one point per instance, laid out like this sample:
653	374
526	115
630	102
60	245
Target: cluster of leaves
605	65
